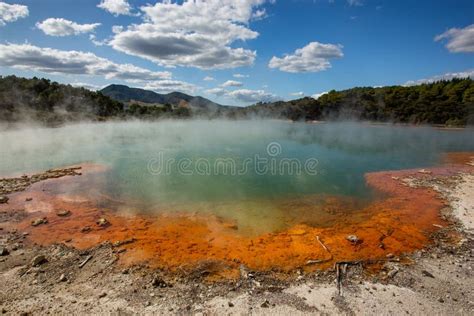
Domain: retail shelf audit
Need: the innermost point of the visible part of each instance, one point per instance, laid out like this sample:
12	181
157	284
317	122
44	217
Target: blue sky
253	50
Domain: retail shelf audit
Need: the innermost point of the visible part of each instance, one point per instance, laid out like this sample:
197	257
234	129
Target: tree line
448	102
50	103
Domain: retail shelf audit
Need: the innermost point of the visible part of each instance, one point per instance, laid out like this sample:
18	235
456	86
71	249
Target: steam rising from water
344	151
258	202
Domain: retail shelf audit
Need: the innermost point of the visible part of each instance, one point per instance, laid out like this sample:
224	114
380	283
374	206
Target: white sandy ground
463	201
308	298
410	292
363	299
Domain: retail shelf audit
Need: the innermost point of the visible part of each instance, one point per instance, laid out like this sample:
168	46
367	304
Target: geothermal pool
265	175
183	195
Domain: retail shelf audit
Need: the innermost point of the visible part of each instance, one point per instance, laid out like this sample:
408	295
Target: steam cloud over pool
265	175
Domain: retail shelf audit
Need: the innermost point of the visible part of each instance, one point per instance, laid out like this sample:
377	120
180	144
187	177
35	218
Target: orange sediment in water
459	158
399	222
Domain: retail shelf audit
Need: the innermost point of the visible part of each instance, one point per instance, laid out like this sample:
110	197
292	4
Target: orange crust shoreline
398	223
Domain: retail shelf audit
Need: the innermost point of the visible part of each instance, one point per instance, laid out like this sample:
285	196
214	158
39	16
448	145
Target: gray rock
123	242
39	221
353	239
3	199
4	251
102	222
392	273
63	213
265	304
244	273
426	273
158	282
38	260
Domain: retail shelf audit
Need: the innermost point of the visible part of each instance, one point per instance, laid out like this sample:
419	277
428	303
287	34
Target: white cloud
447	76
117	29
232	83
259	14
54	61
313	57
86	85
244	95
193	33
297	94
12	12
97	42
216	91
49	60
459	40
318	95
240	76
63	27
252	96
355	3
208	78
165	86
116	7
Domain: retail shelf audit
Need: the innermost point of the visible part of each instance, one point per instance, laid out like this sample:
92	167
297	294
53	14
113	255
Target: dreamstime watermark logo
271	163
273	149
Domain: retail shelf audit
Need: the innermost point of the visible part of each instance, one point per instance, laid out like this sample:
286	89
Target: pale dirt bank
463	201
439	281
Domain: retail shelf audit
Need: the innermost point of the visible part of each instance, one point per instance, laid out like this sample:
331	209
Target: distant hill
126	94
50	103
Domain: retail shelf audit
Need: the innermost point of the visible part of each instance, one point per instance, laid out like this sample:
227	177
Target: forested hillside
129	95
51	103
444	102
448	103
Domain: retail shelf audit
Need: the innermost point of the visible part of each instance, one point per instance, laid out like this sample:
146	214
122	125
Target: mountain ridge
126	94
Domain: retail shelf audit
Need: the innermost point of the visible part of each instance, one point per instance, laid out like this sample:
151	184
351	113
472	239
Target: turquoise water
341	153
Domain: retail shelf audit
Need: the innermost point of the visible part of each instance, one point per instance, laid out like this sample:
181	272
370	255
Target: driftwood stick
341	270
338	279
25	272
321	243
344	268
315	261
83	263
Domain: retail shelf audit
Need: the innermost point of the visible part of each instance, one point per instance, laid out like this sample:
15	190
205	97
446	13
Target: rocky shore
15	184
59	279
